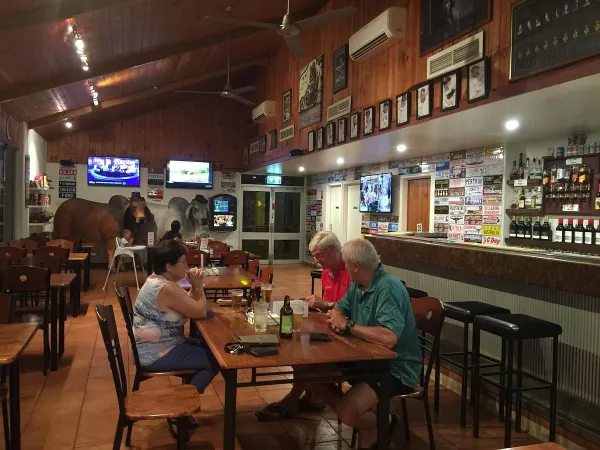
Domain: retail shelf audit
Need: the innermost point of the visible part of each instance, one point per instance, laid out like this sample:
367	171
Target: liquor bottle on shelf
578	232
528	228
568	239
559	232
590	233
521	229
528	199
521	167
522	199
546	182
546	232
527	173
514	173
536	232
512	229
597	237
574	184
597	201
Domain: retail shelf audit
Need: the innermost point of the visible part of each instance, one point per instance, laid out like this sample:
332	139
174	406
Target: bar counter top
570	273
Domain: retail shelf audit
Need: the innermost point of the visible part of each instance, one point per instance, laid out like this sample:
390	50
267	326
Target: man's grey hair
361	252
324	239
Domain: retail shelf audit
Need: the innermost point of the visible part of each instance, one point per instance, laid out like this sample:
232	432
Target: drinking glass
236	300
266	290
297	317
260	317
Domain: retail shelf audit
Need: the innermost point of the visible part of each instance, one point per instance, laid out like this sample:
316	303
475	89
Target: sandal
274	412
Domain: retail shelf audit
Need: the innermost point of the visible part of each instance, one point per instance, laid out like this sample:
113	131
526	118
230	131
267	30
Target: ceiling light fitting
68	124
512	125
401	148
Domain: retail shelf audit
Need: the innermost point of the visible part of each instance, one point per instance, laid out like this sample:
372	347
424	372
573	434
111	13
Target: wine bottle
512	229
537	229
578	232
521	167
546	231
597	241
521	229
568	239
286	316
597	202
559	232
250	296
528	228
590	233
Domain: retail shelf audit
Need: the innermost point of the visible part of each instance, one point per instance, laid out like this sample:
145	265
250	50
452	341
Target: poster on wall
228	181
67	182
156	185
311	93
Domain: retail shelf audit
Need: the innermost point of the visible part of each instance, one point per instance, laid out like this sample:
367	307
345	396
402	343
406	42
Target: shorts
398	387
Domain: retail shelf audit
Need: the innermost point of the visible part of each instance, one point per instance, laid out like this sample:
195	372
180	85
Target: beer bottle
286	316
251	294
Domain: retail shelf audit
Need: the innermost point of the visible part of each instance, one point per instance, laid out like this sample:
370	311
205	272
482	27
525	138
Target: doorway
336	218
353	216
272	223
418	204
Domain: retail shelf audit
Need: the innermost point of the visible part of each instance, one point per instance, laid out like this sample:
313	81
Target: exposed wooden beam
62	11
175	85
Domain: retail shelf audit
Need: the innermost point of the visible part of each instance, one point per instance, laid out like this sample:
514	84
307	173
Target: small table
13	340
222	326
78	261
58	284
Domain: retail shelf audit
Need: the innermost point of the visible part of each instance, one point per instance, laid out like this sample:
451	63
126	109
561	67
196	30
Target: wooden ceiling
139	51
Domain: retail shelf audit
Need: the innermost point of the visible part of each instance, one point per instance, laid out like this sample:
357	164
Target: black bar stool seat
514	328
464	312
316	273
416	293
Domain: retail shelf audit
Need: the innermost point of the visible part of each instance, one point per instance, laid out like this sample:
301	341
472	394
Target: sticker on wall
476	161
393	164
474	200
415	169
472	229
156	184
473	220
440	227
456	200
228	181
475	152
456	228
457	182
457	192
428	159
456	219
461	154
491	210
442	175
491	220
495	200
442	165
456	236
473	209
491	240
440	218
403	171
442	209
458	173
477	181
426	168
442	184
474	190
67	182
492	190
491	230
495	169
473	238
456	209
439	201
457	163
441	193
442	157
490	160
474	172
492	179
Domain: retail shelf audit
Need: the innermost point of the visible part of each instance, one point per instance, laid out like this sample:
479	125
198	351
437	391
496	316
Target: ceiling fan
290	30
228	91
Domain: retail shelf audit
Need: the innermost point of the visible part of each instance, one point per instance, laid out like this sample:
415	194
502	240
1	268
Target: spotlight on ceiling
300	169
79	43
340	160
68	124
401	148
512	125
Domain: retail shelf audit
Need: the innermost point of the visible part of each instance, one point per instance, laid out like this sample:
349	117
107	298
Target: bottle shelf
530	183
549	245
564	158
525	212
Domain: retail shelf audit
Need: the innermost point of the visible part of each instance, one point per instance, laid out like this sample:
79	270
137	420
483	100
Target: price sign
570	208
574	161
519	183
491	230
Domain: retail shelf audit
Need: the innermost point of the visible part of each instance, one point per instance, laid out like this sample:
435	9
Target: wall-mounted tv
113	171
376	193
189	174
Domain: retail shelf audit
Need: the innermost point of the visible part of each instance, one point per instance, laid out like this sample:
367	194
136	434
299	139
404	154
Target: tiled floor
76	407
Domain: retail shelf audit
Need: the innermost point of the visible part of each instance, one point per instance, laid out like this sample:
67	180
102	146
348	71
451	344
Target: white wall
37	151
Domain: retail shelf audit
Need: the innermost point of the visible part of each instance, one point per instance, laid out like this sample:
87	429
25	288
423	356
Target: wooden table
13	340
58	284
87	248
546	446
222	326
79	261
227	278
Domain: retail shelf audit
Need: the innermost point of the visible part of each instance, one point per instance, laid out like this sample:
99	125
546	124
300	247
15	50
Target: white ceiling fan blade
197	92
243	23
244	90
295	44
325	18
245	101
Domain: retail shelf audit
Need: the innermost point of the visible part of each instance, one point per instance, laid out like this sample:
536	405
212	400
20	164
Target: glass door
272	223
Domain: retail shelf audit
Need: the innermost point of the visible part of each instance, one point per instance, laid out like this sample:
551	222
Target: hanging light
85	68
79	43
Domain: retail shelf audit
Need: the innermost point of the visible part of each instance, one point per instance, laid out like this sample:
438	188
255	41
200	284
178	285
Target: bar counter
560	288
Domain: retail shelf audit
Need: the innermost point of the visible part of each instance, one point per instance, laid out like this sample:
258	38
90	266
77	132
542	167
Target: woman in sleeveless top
162	309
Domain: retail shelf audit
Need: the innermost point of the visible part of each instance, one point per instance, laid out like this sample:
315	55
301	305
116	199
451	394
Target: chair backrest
6	308
24	279
429	316
124	298
253	267
108	327
4	262
52	263
27	244
14	254
58	252
234	258
266	275
217	246
194	258
60	243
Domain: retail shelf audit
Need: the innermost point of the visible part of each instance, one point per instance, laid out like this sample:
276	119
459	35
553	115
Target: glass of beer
266	291
236	300
297	317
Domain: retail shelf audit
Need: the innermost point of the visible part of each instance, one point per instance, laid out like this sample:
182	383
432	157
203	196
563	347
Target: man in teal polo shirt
376	308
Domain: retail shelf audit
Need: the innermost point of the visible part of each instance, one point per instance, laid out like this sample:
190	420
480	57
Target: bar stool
414	293
464	312
515	328
317	273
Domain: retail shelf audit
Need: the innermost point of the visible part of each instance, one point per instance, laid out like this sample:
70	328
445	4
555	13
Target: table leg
15	405
76	290
61	321
53	329
230	403
383	407
86	271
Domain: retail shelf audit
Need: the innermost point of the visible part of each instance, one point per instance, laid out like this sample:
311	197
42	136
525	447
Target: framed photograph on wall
340	69
424	100
320	138
330	134
403	109
443	21
262	144
272	139
478	80
311	141
369	121
310	93
286	103
450	85
355	125
341	130
246	157
385	115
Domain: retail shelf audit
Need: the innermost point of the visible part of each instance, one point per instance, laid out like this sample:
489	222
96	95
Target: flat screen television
376	193
113	171
189	174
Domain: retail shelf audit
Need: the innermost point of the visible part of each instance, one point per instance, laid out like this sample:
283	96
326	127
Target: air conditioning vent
465	52
369	46
339	109
378	35
286	133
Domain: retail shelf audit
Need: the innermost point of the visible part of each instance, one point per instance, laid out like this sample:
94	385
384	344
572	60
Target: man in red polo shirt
326	250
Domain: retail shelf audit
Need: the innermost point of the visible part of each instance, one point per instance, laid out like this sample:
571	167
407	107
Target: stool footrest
515	388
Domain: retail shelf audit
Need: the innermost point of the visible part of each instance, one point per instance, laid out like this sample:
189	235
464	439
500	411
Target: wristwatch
330	305
349	326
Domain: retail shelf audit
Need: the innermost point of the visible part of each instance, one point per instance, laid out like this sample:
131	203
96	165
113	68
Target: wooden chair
63	243
28	244
4	262
175	403
140	374
254	267
266	275
234	258
14	254
218	246
30	287
6	316
52	263
194	258
58	252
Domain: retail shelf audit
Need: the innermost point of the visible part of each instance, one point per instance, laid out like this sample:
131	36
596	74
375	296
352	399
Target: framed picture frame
369	121
447	20
330	134
286	106
246	156
354	126
342	126
340	69
320	138
424	100
478	80
450	90
311	141
272	139
385	114
403	103
262	144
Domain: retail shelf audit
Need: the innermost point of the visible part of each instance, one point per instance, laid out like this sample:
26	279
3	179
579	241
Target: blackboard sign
551	33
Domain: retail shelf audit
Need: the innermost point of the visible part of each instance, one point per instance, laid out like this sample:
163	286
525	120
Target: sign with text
457	182
491	240
491	230
67	182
